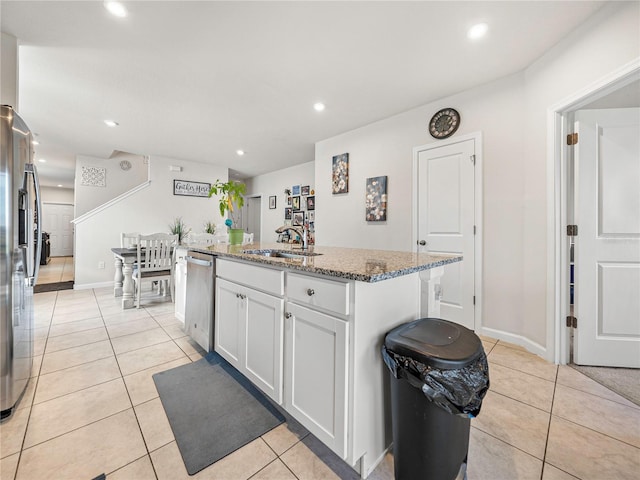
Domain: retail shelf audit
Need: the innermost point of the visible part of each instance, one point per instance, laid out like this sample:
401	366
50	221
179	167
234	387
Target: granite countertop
359	264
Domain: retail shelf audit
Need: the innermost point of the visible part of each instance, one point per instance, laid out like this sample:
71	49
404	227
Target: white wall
9	71
57	195
149	210
386	148
608	40
511	114
117	182
274	183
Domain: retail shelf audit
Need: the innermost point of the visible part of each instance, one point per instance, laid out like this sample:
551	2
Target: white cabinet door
262	348
316	367
230	320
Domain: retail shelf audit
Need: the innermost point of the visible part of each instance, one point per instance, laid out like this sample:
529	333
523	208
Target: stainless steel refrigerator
20	246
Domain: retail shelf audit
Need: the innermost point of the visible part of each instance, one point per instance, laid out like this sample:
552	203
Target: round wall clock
125	164
444	123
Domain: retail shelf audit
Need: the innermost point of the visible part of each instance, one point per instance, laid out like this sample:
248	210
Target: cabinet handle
311	291
287	315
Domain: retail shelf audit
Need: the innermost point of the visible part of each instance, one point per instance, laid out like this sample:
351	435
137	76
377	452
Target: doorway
57	223
253	215
592	317
447	206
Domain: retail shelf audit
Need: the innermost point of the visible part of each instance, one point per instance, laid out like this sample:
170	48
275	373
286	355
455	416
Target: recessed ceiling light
111	123
35	142
240	152
59	185
42	160
116	9
318	107
477	31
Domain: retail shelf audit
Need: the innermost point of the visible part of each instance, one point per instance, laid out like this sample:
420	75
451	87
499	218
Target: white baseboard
524	342
87	286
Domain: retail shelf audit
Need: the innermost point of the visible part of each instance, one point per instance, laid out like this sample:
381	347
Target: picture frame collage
300	206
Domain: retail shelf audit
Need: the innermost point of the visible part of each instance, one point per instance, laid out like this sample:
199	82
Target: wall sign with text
191	189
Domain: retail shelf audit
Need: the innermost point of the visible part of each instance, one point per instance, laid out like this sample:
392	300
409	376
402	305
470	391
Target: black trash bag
459	391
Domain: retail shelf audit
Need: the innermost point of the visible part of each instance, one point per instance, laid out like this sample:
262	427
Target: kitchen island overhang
363	265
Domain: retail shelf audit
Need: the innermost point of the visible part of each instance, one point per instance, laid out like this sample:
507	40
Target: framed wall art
304	190
311	203
340	174
287	213
191	189
272	202
295	203
376	199
296	190
298	218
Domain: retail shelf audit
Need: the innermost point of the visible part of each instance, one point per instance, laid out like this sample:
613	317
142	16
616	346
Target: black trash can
439	376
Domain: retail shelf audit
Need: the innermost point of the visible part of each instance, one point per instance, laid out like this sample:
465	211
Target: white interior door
446	205
57	223
607	251
253	207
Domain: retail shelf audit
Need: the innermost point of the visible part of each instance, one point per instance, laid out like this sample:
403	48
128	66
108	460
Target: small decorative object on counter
178	227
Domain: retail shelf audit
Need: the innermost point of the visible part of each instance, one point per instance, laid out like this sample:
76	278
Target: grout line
502	440
135	414
546	443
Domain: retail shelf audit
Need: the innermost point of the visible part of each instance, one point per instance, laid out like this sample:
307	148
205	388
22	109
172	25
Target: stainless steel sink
281	254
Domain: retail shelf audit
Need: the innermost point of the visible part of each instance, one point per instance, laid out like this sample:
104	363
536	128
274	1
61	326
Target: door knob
422	242
310	291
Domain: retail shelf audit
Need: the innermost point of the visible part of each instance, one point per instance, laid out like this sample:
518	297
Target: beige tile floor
59	269
91	407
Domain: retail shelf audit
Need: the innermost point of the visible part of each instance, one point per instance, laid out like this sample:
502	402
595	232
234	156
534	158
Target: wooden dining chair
201	239
128	240
155	262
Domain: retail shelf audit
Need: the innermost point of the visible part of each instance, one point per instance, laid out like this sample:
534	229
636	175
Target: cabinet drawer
262	278
318	292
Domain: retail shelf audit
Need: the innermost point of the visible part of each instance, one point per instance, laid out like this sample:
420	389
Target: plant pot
236	235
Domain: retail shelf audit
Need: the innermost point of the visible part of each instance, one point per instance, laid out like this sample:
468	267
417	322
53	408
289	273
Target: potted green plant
178	227
230	200
210	227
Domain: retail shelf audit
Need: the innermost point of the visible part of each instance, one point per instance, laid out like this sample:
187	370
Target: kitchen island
307	327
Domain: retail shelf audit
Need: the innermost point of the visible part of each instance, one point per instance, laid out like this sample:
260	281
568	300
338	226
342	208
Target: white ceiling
199	80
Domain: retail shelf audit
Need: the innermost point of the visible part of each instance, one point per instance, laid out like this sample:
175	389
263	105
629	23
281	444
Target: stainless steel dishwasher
199	309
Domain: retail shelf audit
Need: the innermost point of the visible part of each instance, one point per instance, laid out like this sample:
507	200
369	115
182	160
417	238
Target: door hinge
474	229
474	299
572	230
572	321
572	139
473	159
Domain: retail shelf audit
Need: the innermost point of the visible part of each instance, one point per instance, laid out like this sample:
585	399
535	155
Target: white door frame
477	174
244	213
558	125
